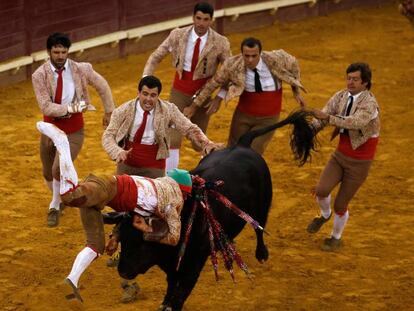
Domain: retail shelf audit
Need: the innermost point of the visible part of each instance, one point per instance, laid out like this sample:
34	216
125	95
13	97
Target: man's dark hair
58	38
205	8
251	43
365	72
150	82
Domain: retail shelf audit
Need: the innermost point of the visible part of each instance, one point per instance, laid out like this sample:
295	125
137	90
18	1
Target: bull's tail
302	139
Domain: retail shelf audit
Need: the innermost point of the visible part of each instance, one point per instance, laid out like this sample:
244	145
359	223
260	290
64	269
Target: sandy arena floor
374	270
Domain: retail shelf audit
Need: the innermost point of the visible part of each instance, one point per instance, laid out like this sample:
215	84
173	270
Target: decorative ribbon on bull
217	237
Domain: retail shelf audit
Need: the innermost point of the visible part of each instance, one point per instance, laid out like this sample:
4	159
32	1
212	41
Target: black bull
247	183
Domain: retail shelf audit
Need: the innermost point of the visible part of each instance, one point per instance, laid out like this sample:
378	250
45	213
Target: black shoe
331	244
75	294
53	217
317	223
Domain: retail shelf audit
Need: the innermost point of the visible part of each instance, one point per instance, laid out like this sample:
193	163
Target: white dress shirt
148	138
68	91
192	38
266	78
146	198
349	100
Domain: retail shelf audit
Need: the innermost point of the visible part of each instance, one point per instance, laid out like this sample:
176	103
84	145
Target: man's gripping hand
77	107
212	147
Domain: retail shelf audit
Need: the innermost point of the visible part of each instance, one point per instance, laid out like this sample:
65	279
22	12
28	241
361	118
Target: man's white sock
339	224
68	175
325	205
82	261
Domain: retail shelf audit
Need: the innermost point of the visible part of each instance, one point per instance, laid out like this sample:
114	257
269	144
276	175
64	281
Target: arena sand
374	270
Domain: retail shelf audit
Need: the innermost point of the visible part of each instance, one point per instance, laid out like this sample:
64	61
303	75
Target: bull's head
137	255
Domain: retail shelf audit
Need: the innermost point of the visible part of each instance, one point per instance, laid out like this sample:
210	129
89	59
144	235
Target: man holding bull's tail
354	112
256	77
157	200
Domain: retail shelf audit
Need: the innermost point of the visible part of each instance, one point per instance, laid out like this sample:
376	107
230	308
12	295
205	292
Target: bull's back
230	160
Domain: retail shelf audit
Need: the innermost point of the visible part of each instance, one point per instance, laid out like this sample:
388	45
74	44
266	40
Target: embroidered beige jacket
216	50
282	66
166	115
83	75
170	204
363	121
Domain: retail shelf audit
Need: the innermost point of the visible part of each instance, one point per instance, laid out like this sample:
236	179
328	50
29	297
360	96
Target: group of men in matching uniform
144	134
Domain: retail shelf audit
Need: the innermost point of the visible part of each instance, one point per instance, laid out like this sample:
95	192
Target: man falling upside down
159	200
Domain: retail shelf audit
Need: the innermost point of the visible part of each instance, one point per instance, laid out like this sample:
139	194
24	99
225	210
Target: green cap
182	177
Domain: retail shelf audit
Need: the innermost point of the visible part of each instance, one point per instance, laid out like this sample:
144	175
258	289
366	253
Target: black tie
257	84
348	109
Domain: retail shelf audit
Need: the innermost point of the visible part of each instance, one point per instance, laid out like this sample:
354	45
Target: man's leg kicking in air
69	182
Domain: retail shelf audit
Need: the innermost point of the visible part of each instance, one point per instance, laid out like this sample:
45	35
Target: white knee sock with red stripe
82	261
325	205
68	175
173	160
339	224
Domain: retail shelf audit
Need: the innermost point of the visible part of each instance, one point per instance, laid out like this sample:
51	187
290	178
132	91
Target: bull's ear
112	218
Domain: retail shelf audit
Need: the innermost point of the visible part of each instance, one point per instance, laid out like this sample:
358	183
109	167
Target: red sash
126	195
364	152
187	85
261	104
143	156
71	124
